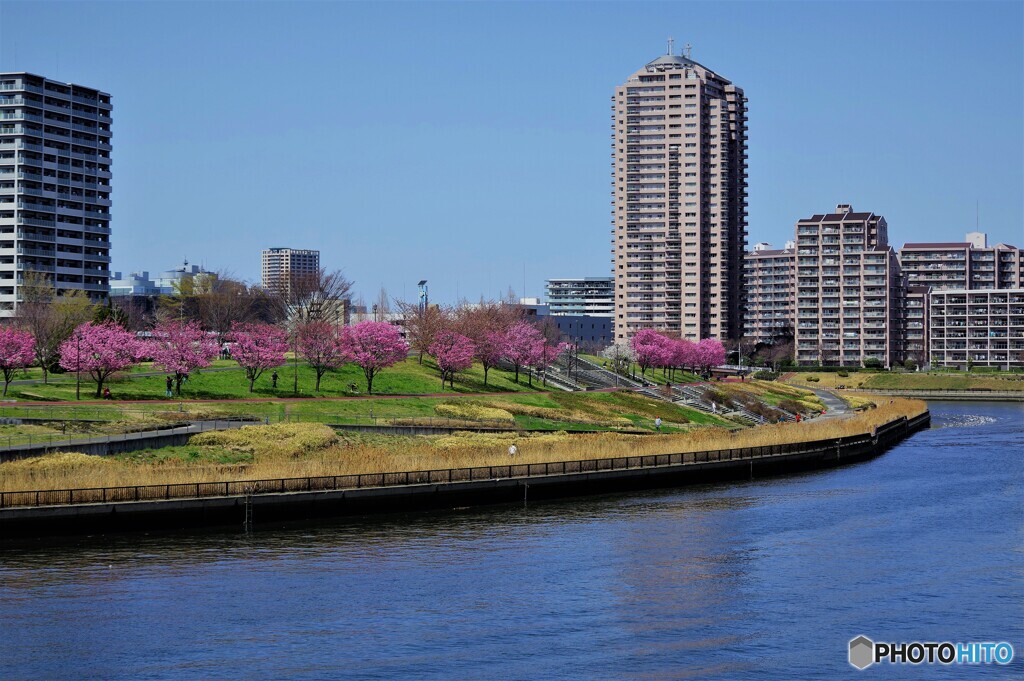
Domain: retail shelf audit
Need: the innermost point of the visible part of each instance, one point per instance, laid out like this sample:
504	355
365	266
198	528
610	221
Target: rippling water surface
766	579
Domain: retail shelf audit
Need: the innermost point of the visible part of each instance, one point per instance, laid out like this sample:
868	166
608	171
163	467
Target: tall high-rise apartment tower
680	201
54	187
281	267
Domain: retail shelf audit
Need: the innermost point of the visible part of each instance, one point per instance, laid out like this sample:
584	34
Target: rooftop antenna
977	215
671	42
687	50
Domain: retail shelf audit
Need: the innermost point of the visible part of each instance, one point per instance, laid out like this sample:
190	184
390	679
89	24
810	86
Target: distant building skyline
524	150
139	283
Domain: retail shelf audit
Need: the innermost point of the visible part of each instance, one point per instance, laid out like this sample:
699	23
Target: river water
760	580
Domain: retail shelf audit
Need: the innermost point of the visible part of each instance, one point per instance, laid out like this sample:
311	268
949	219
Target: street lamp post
78	364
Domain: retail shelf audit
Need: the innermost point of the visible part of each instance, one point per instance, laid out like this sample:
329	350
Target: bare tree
422	327
778	352
50	318
317	297
382	308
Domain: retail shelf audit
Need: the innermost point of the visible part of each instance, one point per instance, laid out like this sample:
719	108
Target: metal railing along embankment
200	490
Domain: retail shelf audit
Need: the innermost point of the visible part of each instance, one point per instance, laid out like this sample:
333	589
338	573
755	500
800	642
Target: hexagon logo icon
862	652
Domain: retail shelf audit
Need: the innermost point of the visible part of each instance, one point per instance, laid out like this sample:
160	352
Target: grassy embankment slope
911	381
228	382
553	411
299	450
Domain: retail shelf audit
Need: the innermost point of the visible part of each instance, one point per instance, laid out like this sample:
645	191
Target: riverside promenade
954	395
244	503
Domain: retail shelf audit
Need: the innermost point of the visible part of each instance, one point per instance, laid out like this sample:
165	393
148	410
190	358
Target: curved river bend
762	580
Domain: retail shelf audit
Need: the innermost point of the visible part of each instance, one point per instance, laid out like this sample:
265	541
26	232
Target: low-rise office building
977	328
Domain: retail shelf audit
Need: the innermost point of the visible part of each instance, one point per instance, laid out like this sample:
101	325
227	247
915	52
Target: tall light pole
295	355
78	364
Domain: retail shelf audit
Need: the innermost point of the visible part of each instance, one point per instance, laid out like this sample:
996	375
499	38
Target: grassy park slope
772	393
300	450
226	381
911	381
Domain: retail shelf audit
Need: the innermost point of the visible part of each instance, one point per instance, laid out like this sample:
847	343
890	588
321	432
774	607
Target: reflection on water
763	579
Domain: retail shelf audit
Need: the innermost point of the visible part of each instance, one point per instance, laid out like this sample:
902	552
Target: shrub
812	379
472	412
872	363
283	439
792	406
767	375
843	374
719	397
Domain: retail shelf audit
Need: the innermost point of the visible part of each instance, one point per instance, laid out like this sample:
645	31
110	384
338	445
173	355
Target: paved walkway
835	406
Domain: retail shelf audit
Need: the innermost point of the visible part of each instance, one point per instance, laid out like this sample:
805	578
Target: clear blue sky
461	142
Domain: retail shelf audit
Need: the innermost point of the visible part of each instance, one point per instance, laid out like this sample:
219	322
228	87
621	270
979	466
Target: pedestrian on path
273	380
170	386
513	450
657	424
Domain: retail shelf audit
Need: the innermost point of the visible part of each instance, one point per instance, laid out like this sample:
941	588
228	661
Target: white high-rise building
282	266
680	201
54	186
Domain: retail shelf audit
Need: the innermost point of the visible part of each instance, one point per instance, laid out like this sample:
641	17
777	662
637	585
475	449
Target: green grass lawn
943	381
229	382
562	410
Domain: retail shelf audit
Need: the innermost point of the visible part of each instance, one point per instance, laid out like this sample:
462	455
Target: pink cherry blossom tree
375	346
180	349
709	353
17	351
490	350
101	349
683	353
651	349
257	347
522	344
323	346
453	353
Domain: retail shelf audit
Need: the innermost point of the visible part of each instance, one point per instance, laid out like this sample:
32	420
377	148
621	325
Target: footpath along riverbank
266	501
954	395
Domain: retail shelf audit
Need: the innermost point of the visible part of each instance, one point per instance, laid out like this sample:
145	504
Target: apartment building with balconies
679	197
769	277
970	264
590	296
847	284
977	327
914	316
55	184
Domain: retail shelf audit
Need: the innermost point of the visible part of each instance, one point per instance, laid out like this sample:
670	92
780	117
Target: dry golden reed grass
301	450
473	411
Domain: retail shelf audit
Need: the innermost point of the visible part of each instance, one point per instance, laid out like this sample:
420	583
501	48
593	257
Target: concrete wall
230	510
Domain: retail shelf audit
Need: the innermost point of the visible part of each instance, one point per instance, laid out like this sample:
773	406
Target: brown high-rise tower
680	201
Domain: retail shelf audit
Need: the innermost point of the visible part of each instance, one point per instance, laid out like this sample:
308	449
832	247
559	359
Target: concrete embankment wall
121	443
266	508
